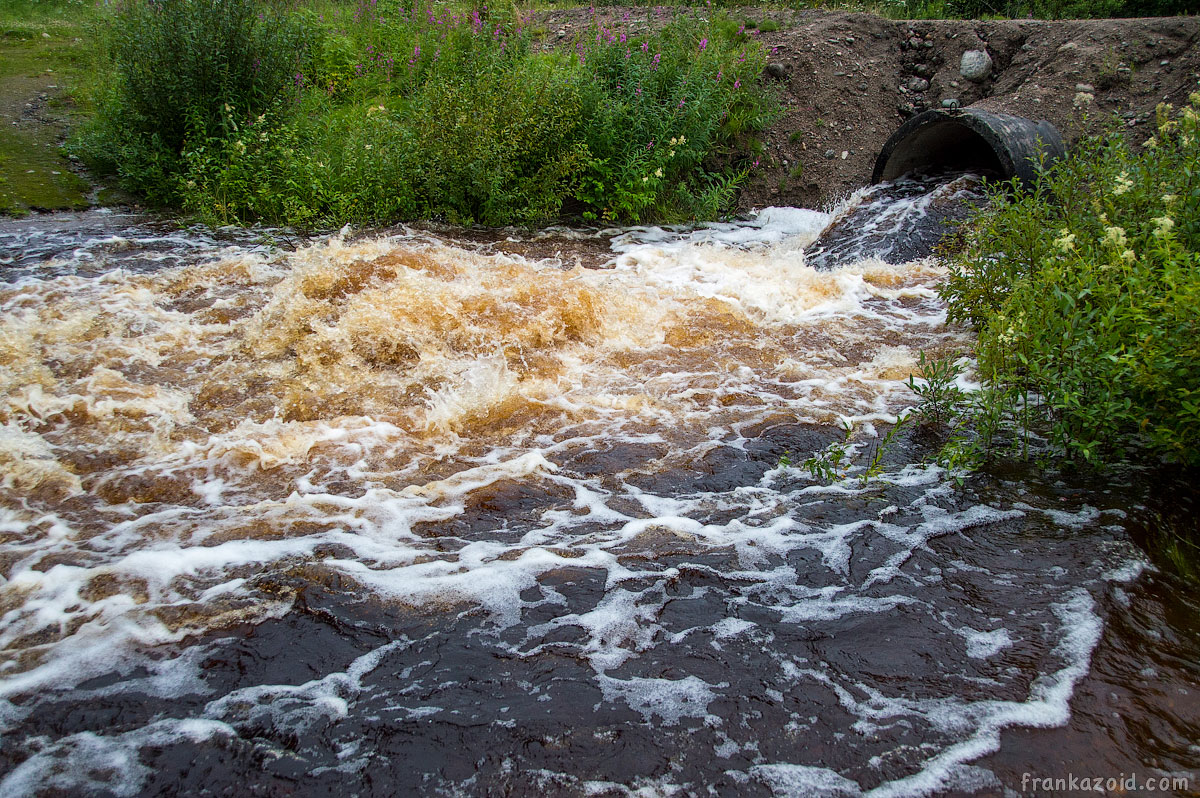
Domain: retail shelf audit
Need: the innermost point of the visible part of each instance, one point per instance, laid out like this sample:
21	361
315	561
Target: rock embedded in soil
976	65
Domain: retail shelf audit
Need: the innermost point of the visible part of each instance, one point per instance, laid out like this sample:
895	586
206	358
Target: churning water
420	513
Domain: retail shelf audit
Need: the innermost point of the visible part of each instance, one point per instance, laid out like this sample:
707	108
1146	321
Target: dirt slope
847	79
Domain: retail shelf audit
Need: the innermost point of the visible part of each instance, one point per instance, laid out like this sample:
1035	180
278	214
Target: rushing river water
439	513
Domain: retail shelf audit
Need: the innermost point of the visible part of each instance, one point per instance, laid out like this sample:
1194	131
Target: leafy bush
1086	296
187	69
405	112
189	62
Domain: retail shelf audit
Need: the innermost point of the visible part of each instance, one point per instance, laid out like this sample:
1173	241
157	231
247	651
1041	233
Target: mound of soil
847	81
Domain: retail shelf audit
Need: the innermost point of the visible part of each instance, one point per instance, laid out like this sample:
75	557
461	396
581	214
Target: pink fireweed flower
645	47
737	84
657	58
650	146
681	102
622	37
703	44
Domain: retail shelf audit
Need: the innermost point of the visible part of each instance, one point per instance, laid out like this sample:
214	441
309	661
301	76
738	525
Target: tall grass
381	112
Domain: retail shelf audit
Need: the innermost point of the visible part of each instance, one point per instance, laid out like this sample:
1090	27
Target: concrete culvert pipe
968	139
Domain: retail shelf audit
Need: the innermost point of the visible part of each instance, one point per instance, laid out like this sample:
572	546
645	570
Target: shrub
1086	296
187	68
399	112
192	62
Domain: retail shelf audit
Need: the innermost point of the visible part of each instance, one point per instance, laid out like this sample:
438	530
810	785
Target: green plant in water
836	460
941	399
831	463
874	466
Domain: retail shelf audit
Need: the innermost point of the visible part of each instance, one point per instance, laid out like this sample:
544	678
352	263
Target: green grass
45	65
386	113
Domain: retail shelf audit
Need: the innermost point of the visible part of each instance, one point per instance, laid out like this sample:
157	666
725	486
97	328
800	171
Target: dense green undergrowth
238	110
1085	293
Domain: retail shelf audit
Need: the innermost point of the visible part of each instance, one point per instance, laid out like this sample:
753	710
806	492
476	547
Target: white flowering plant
1085	292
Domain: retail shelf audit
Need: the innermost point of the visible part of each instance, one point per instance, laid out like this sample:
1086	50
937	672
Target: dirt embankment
847	81
850	80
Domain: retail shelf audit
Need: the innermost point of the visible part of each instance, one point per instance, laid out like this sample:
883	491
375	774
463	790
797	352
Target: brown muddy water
429	512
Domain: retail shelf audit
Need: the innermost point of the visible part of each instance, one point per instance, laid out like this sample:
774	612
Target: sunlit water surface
443	513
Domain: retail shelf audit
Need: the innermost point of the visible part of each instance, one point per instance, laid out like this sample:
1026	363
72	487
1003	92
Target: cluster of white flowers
1123	184
1065	240
1163	225
1115	236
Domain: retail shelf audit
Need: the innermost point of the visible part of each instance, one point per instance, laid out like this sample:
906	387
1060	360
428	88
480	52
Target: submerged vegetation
1086	296
237	111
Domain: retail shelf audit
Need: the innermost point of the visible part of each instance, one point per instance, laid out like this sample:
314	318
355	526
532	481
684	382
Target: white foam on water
670	700
982	645
800	780
436	428
86	762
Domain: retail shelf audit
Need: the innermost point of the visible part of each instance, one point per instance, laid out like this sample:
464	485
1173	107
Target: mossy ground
43	63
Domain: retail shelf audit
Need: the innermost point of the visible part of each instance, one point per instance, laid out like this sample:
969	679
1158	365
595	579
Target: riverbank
845	82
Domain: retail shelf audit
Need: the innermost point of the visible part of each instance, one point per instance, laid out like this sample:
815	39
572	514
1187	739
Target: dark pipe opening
969	139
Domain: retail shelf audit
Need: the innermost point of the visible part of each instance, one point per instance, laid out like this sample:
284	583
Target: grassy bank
46	65
239	111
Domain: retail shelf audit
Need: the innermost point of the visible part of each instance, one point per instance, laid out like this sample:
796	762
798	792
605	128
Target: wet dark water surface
429	512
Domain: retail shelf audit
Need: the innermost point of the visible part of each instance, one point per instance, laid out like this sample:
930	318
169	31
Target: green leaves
1085	293
241	111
